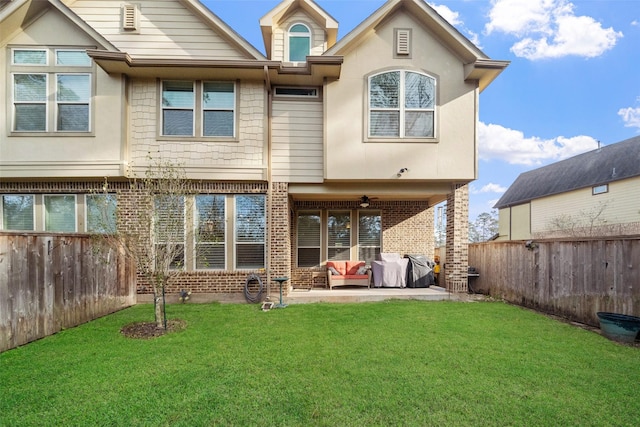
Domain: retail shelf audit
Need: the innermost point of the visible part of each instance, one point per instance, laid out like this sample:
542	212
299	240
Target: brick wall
407	228
457	258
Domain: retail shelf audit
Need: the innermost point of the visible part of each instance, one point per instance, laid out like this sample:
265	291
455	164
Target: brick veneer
457	245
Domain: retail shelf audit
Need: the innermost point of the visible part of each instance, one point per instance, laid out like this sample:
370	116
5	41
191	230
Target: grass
375	364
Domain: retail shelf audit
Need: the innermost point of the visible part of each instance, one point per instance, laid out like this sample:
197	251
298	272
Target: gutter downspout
267	82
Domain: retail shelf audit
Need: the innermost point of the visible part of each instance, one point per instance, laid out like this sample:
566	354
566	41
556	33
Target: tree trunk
159	309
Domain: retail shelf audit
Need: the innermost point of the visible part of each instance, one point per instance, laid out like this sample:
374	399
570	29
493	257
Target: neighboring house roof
606	164
282	10
478	66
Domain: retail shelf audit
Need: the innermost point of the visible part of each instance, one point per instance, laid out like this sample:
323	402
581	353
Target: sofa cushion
350	276
353	266
340	266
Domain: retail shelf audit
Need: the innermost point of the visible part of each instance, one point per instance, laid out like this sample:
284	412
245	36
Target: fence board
50	282
573	279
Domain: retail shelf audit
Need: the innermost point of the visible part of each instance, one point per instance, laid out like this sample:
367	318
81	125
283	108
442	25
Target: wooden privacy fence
51	282
573	279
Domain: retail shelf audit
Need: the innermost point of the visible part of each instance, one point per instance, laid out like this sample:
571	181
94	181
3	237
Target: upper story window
402	105
198	108
51	90
299	43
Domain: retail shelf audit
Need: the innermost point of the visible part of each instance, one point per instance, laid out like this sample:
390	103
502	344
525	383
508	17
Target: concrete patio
360	294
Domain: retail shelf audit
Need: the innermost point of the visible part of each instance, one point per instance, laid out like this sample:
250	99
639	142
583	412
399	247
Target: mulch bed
147	330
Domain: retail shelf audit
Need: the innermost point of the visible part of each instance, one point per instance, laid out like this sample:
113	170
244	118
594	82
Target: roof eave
484	71
316	69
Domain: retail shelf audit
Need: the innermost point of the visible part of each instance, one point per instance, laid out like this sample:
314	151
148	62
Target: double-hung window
17	212
339	235
100	214
402	105
250	231
60	213
51	90
210	235
309	239
169	231
369	235
203	109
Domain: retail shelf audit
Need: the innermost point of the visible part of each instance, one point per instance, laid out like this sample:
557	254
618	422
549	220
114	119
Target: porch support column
279	235
457	244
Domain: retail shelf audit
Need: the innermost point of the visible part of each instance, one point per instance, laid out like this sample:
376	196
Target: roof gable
287	8
19	14
607	164
478	66
167	29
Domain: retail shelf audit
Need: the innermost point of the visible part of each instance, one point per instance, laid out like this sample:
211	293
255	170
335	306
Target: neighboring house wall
165	29
615	212
240	158
450	155
281	40
514	223
98	152
297	141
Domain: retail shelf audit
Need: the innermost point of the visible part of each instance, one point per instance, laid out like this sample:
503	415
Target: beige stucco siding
242	158
97	153
620	205
449	156
280	45
166	29
297	141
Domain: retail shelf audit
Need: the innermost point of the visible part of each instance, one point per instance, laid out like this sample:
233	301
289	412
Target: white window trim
290	35
235	234
194	85
46	103
401	109
599	189
203	109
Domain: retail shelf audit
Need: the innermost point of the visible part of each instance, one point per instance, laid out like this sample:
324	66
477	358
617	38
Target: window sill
52	134
402	140
221	139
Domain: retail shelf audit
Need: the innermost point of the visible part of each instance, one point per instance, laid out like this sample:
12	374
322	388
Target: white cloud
511	146
493	188
549	29
630	116
453	18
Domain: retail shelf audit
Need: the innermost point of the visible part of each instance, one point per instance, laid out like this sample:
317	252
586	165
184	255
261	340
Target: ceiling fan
365	200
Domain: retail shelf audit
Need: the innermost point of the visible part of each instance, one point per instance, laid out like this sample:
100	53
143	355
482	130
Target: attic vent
403	42
129	17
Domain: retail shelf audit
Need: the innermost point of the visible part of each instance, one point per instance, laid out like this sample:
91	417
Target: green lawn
370	364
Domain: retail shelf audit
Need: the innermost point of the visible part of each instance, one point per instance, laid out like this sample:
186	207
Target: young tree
150	226
585	223
484	227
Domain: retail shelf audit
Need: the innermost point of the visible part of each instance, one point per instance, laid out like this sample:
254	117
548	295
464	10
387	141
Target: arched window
402	105
299	42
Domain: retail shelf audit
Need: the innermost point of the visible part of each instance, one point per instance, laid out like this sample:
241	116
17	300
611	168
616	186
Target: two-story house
321	149
593	194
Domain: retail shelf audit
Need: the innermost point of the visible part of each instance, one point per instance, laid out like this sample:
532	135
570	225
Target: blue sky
574	77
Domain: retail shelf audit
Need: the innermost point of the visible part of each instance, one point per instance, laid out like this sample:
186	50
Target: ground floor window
337	235
60	213
17	212
250	231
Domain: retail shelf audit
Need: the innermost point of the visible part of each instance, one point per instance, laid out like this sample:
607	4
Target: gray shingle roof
607	164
